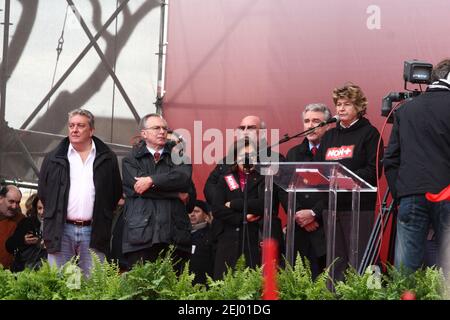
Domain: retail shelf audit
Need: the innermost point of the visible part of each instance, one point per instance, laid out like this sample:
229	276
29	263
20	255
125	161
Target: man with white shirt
156	189
80	186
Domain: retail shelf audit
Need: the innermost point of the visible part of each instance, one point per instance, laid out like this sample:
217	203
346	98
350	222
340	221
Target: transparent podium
330	177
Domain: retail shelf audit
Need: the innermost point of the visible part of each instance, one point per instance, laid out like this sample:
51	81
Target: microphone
331	120
248	163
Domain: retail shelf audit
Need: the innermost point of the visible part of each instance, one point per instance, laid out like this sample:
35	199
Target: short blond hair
353	93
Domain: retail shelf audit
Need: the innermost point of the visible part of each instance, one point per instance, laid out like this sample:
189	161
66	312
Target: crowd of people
85	206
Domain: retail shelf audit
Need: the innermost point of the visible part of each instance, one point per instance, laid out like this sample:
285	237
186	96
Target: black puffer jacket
54	185
157	216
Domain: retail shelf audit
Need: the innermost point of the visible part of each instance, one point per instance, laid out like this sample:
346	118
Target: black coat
223	168
158	215
417	159
54	185
304	241
202	258
17	239
26	255
227	225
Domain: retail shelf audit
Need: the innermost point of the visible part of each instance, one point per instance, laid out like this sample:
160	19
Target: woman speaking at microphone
353	143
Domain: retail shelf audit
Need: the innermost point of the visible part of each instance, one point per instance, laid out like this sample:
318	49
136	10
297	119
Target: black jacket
54	185
223	168
25	226
227	224
202	258
26	255
301	153
158	215
363	138
417	158
306	241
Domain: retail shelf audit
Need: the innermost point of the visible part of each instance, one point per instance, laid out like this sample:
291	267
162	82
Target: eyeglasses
252	127
247	157
157	128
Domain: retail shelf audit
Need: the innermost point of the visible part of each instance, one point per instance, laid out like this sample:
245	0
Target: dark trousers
342	240
179	257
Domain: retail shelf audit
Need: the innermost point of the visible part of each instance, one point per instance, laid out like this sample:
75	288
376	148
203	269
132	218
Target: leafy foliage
297	283
357	287
6	282
158	280
44	284
241	283
147	281
104	282
427	284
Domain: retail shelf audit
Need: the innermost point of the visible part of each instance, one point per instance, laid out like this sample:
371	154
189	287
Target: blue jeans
415	213
75	242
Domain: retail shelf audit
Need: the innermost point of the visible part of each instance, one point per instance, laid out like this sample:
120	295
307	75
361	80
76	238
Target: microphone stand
245	232
287	138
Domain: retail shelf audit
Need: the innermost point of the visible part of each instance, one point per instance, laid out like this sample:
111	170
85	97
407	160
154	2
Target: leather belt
79	223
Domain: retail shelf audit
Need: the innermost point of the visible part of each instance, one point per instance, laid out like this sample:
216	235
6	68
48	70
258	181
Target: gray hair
318	107
83	112
143	122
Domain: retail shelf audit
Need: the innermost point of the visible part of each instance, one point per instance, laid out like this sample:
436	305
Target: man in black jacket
253	128
156	187
202	259
309	239
79	185
417	161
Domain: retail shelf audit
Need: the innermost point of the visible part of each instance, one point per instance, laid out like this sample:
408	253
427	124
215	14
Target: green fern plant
427	284
103	283
240	283
360	287
182	288
44	284
297	283
147	280
6	282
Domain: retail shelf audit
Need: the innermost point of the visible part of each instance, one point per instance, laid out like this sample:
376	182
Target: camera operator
416	162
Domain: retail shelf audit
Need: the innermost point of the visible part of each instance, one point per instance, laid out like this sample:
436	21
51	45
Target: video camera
414	71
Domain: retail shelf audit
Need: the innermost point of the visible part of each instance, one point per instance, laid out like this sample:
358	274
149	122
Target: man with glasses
80	186
10	215
156	190
253	128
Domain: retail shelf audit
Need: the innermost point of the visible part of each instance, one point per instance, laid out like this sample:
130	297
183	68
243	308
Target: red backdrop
231	58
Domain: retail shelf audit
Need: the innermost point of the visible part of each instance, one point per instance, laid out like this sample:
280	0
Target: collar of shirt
340	123
311	145
71	149
152	151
